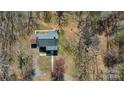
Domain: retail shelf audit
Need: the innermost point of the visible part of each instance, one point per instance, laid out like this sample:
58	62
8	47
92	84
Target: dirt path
36	67
100	55
69	78
38	72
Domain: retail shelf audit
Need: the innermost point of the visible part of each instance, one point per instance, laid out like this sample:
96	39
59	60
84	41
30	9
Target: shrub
121	73
110	59
120	37
94	17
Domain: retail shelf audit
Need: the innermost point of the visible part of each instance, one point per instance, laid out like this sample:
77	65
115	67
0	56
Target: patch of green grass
54	19
60	44
44	63
94	16
121	72
120	36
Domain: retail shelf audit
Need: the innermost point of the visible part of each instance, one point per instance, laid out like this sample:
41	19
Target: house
47	42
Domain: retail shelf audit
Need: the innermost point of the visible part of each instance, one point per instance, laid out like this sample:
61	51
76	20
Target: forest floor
101	52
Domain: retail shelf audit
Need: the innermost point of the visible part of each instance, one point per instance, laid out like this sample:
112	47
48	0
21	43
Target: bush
120	37
110	59
58	71
121	73
94	17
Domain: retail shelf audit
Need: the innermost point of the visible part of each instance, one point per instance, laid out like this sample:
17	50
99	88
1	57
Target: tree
86	45
13	26
47	16
58	73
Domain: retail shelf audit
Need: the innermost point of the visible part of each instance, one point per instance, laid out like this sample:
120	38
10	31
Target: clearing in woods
42	65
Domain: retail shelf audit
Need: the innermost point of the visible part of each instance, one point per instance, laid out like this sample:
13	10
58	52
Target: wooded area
91	45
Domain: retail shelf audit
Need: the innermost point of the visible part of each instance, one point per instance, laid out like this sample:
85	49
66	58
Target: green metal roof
48	35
